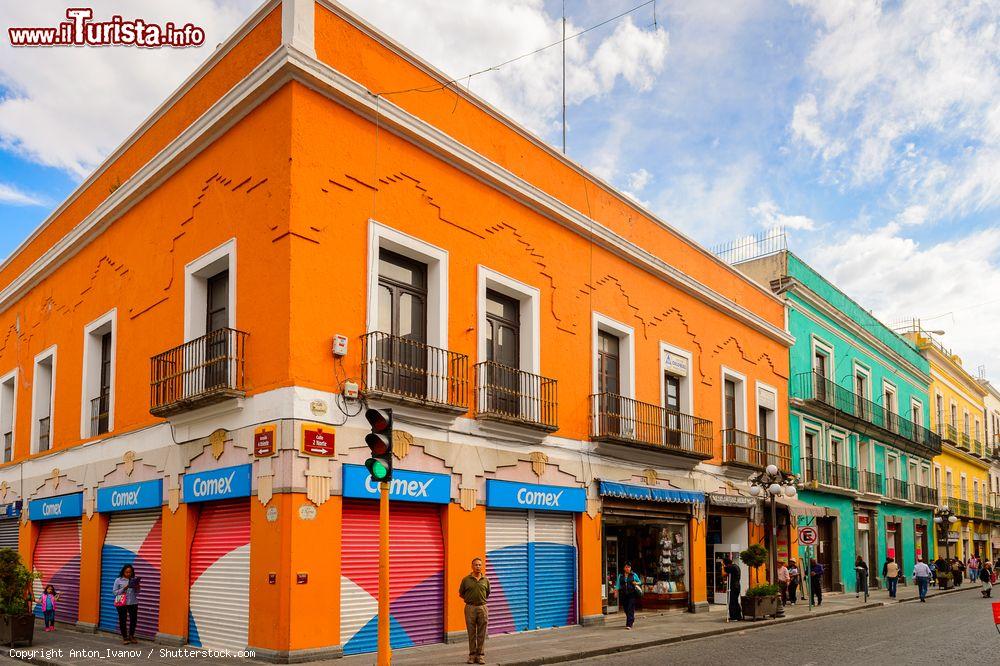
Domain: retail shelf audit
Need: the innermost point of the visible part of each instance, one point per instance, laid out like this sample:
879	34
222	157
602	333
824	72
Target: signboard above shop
131	496
54	508
406	485
10	510
514	495
217	484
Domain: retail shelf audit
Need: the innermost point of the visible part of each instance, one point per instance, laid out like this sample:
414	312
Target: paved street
910	633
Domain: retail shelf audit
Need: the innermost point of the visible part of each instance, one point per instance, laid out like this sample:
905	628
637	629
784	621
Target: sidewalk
527	648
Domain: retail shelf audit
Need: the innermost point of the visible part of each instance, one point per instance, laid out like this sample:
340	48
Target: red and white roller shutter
220	576
57	559
416	575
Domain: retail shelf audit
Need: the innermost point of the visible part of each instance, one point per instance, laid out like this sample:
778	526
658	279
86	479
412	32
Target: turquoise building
859	426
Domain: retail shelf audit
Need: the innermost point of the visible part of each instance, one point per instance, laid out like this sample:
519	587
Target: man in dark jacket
733	576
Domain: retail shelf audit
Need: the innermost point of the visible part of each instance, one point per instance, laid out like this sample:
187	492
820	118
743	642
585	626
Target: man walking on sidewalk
629	591
922	574
475	590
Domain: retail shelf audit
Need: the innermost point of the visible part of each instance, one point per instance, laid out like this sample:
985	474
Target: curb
937	594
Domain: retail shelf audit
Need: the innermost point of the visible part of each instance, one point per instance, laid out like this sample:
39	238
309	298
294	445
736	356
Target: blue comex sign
405	486
142	495
52	508
513	495
217	484
10	510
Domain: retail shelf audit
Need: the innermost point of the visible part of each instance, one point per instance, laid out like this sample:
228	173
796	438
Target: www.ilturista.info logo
81	30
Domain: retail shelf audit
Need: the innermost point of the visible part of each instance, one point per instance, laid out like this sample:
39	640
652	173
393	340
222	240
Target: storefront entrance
657	550
826	552
727	537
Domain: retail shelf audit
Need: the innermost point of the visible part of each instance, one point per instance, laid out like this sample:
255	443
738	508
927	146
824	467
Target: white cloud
639	179
12	196
713	203
769	216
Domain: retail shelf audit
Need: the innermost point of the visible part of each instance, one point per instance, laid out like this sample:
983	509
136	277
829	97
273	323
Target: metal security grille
220	576
57	559
507	569
555	569
8	533
134	537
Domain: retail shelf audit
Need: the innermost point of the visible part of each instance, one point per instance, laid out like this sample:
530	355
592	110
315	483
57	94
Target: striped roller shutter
554	577
416	575
134	537
57	559
220	576
507	569
8	533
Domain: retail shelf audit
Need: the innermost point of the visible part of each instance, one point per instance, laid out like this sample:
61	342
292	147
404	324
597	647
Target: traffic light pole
384	649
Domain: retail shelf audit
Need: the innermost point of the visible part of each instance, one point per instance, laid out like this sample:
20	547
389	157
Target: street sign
263	442
808	536
318	442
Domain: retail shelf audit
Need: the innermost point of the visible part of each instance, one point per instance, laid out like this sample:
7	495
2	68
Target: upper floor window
98	376
975	490
42	401
954	415
964	487
608	363
965	423
729	404
950	487
939	409
8	408
401	358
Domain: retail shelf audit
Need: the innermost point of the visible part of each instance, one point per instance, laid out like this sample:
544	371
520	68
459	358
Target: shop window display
659	555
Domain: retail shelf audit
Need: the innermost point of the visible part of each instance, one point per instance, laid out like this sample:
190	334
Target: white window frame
975	490
919	404
626	351
953	411
51	352
938	481
529	299
687	386
862	369
818	343
890	387
741	396
963	486
869	455
767	388
196	275
966	422
940	419
11	376
949	482
91	376
805	428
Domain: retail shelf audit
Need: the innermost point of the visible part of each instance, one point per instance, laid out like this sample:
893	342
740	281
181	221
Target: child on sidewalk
48	603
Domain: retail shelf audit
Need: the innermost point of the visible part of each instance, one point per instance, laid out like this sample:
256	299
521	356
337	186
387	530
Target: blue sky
871	131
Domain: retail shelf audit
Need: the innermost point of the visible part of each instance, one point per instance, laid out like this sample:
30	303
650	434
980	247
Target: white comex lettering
52	508
400	487
222	485
124	497
538	497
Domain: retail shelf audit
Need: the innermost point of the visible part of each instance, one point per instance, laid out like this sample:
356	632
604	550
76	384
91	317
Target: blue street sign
217	484
142	495
52	508
513	495
405	485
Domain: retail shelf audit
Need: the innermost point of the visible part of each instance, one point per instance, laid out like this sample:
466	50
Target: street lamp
943	514
770	483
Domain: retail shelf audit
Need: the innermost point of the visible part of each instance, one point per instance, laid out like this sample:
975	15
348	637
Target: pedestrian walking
475	590
48	604
985	577
733	576
794	579
783	582
956	571
629	588
922	574
973	567
890	572
125	591
861	577
815	582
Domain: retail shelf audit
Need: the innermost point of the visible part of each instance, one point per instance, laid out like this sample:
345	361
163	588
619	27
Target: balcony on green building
838	404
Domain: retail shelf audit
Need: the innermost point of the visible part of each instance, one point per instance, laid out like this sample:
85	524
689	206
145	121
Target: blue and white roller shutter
134	537
554	579
507	570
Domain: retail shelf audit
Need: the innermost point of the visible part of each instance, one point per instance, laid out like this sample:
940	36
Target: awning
797	507
649	494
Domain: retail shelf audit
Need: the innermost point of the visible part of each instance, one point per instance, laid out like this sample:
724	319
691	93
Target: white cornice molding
967	458
945	379
955	371
298	18
813	299
217	55
286	64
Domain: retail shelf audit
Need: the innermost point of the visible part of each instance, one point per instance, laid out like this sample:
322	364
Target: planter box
946	583
758	608
17	629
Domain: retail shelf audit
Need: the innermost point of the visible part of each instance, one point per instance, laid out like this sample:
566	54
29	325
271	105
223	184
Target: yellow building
962	471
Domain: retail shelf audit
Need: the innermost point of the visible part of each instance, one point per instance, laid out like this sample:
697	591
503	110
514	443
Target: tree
754	557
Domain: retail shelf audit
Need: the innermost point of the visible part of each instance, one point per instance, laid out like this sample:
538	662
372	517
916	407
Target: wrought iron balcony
99	412
831	474
513	396
832	401
964	442
977	448
408	371
752	451
870	482
198	373
977	510
959	506
924	494
621	420
897	489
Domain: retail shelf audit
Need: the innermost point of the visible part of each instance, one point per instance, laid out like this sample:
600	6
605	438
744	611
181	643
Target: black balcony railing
870	482
44	433
831	474
897	489
515	396
924	494
203	371
395	367
742	448
620	419
977	510
99	411
8	446
959	506
814	387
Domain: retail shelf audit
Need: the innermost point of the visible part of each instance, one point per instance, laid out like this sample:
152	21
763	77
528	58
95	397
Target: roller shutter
416	576
134	537
57	559
531	564
8	533
507	570
554	577
220	576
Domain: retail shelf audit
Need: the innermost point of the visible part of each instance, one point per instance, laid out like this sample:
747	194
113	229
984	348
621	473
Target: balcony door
820	362
672	396
216	339
401	352
609	383
503	351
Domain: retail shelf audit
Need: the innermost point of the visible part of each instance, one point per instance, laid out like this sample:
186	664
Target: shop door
735	535
220	576
134	537
57	559
554	579
507	569
416	594
8	533
824	552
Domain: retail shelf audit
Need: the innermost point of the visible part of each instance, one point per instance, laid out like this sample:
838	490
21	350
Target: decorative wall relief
319	478
265	480
217	442
128	460
538	462
467	498
401	441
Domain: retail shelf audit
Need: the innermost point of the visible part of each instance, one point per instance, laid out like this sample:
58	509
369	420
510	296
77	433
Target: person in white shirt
922	574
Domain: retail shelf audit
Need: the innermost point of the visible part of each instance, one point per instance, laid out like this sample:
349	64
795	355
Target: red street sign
318	442
808	535
996	613
263	442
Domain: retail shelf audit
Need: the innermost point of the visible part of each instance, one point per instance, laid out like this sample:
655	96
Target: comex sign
49	508
406	486
217	484
131	496
513	495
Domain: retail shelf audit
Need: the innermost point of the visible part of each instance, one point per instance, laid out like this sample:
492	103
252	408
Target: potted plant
17	624
754	557
760	601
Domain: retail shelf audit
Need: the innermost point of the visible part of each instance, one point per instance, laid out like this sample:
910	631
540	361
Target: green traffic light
378	469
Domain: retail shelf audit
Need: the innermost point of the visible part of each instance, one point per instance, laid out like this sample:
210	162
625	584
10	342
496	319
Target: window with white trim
964	487
97	409
43	397
210	292
8	409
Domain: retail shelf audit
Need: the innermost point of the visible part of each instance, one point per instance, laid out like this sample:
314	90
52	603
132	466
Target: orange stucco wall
178	529
92	532
698	530
464	534
590	567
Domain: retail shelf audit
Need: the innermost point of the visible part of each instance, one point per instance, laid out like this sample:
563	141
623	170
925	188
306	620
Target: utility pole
384	647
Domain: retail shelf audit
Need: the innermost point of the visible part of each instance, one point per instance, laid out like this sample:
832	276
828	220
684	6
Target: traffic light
379	440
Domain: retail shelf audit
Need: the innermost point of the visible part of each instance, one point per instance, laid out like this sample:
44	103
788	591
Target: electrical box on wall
340	345
351	390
